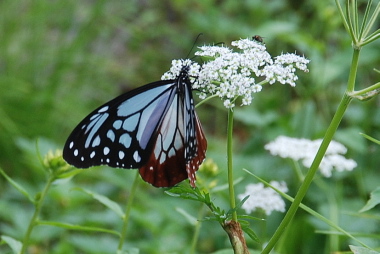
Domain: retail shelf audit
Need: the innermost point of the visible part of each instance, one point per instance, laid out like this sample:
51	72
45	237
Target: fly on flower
153	128
258	38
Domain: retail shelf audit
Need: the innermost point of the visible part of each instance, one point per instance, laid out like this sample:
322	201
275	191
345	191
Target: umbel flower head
264	198
305	150
231	74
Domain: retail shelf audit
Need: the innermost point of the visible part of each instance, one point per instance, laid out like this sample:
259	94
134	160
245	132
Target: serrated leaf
12	243
77	227
373	200
362	250
104	200
17	186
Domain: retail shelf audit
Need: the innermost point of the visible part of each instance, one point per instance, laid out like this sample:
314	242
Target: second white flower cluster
305	150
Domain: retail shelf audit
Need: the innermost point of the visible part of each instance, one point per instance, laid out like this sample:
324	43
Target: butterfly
153	128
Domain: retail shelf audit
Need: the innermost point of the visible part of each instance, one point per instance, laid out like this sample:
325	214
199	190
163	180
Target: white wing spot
150	168
92	155
171	152
126	140
136	157
111	135
106	150
117	124
103	109
108	160
71	144
121	155
96	141
82	158
76	152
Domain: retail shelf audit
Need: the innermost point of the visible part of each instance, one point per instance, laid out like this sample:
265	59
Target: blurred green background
60	59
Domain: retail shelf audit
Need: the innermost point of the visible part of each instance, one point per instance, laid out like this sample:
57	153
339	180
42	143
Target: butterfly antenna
195	42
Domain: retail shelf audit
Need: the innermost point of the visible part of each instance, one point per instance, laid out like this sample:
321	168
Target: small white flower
305	150
264	198
213	51
177	66
228	104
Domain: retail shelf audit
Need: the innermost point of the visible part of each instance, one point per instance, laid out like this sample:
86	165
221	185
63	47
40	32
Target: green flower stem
38	201
128	212
233	227
353	70
318	158
229	163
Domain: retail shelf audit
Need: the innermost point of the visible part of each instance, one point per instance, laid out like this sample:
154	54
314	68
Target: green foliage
61	59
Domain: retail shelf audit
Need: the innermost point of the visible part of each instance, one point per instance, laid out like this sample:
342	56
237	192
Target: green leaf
77	227
370	138
248	217
17	186
105	201
251	233
70	173
373	200
362	250
191	219
13	243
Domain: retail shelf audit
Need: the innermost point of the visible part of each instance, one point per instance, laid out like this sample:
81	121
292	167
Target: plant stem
233	227
353	70
229	163
197	230
34	220
128	212
318	158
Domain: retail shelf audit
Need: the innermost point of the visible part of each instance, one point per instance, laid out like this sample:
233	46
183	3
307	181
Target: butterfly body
153	128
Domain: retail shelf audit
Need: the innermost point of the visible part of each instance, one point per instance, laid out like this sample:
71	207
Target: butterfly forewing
153	128
117	133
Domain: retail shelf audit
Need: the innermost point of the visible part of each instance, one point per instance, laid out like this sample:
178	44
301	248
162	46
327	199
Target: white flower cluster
264	197
177	66
305	150
231	75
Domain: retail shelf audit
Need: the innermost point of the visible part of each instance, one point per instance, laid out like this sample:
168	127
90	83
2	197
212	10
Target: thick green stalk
229	163
34	220
318	158
127	212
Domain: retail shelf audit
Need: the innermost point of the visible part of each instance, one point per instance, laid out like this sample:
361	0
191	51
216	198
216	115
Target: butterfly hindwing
176	155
